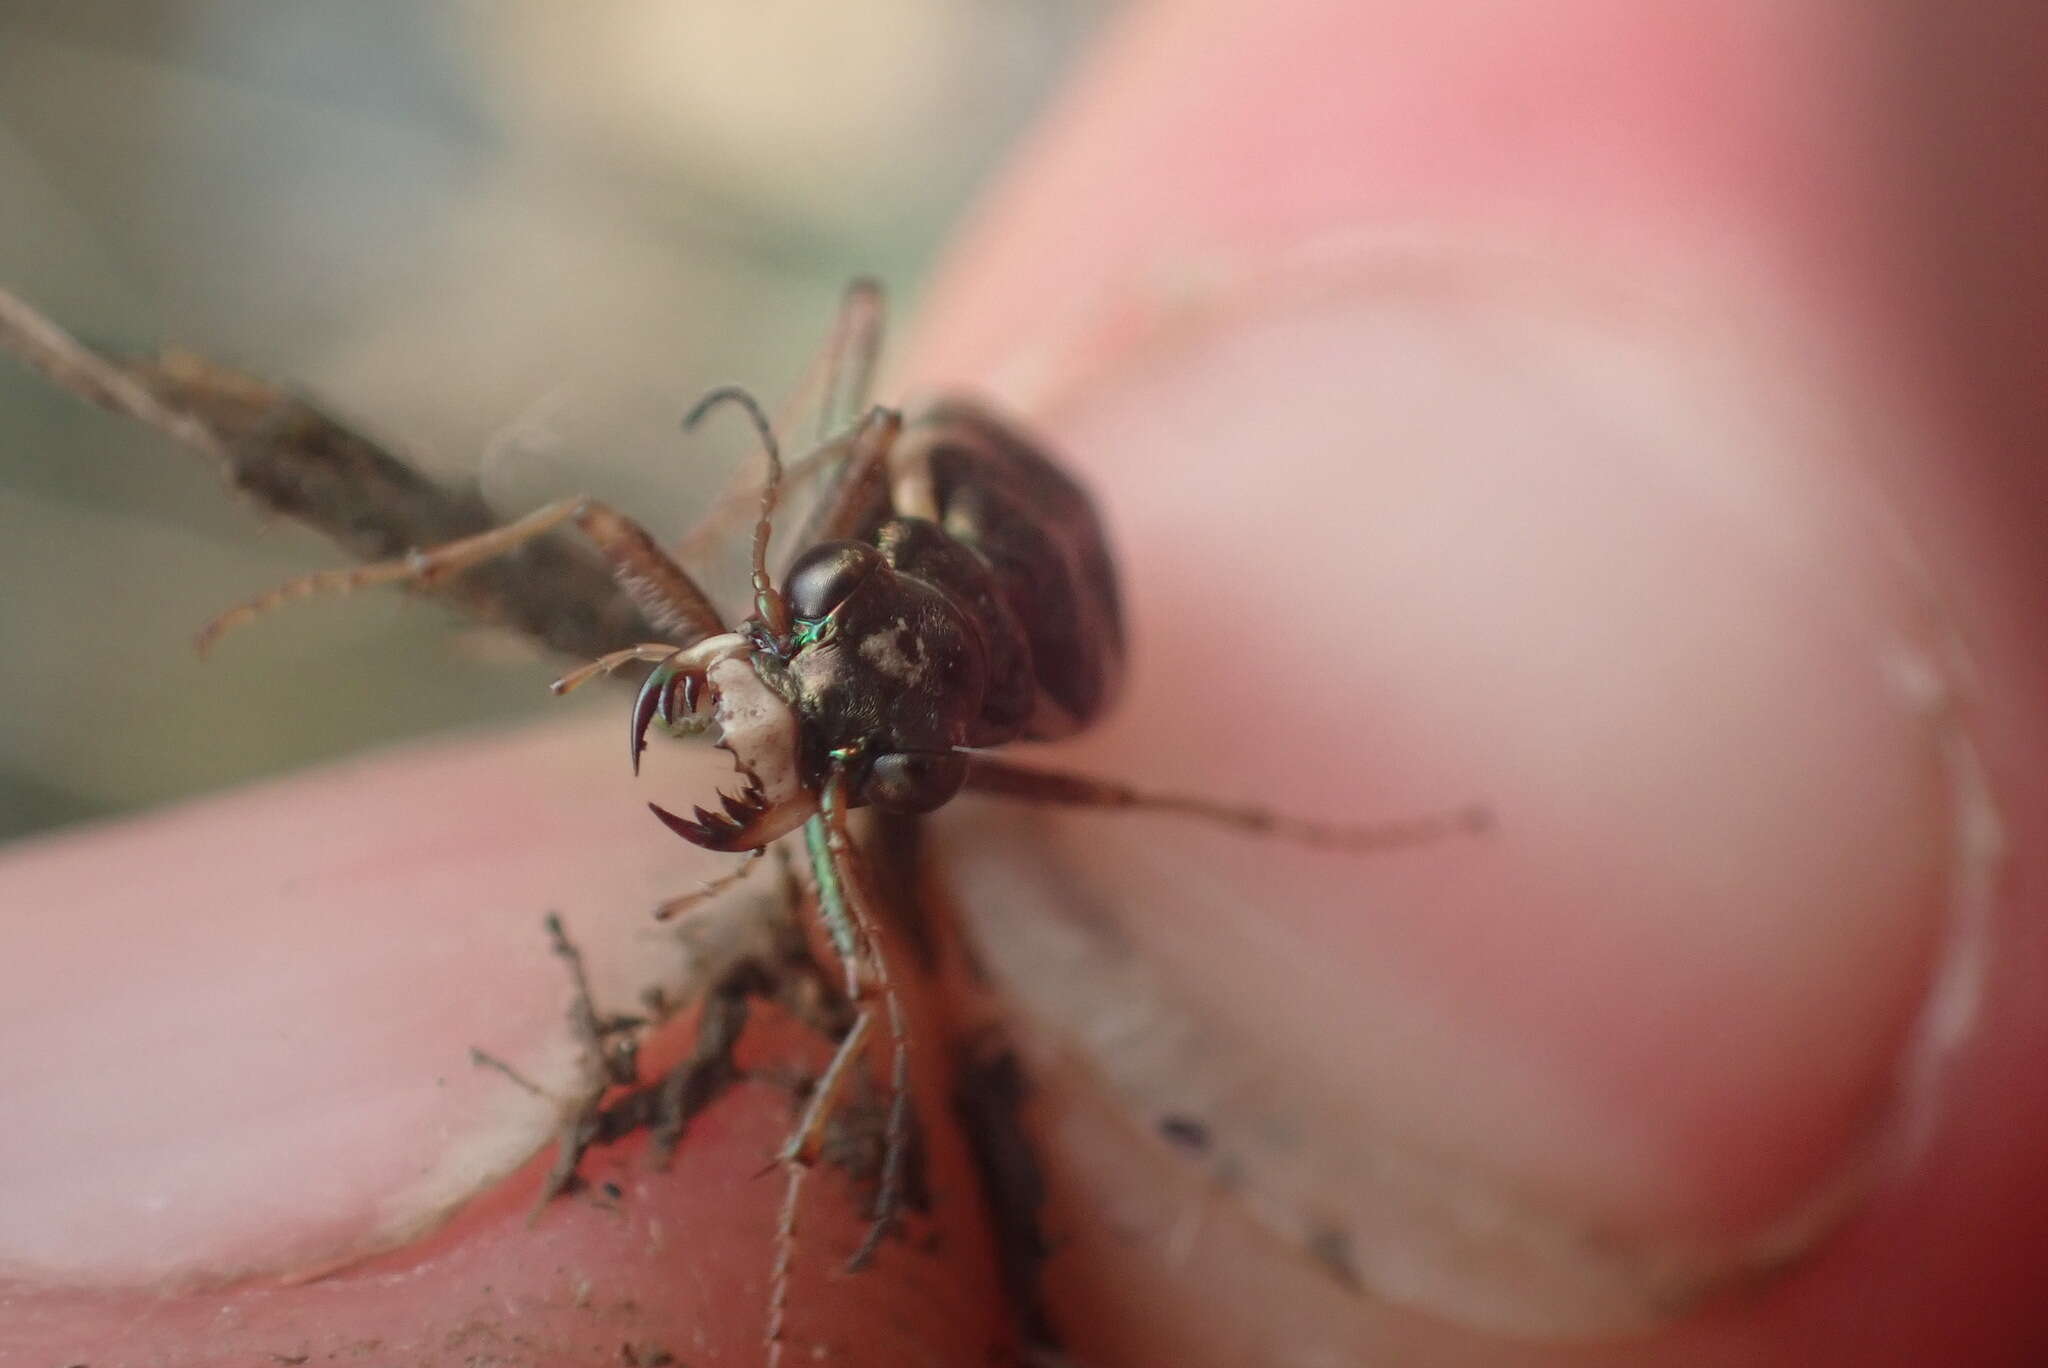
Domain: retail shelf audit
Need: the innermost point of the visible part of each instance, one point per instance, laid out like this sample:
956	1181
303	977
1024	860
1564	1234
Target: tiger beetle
951	592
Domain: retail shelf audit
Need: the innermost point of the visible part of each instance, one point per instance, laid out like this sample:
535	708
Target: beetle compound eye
826	576
914	781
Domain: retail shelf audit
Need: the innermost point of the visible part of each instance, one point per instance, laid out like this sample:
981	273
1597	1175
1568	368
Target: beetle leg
711	888
797	1155
858	898
1066	789
845	903
801	1148
850	357
857	495
662	589
845	906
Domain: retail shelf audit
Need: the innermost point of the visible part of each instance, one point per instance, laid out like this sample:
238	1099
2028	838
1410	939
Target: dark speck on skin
1185	1133
1332	1249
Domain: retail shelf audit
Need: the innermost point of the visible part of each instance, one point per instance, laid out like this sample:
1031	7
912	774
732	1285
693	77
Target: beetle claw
665	684
693	832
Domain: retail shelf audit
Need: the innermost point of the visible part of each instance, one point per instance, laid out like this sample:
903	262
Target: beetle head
880	677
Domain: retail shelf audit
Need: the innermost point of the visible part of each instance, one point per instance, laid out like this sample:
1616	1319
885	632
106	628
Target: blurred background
510	239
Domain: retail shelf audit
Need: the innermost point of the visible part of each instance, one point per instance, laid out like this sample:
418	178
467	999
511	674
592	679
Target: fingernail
1400	534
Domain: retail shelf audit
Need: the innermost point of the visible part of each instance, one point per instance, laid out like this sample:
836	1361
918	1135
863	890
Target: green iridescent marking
810	631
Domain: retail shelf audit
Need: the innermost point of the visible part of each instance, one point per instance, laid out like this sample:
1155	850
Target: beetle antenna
768	601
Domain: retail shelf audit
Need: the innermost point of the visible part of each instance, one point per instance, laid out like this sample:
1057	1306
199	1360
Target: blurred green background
510	238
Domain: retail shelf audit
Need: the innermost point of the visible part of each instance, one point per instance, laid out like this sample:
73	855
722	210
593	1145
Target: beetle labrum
950	592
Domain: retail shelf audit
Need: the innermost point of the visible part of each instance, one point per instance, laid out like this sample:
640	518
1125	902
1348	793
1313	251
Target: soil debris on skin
1187	1133
1331	1248
647	1356
989	1095
615	1102
856	1143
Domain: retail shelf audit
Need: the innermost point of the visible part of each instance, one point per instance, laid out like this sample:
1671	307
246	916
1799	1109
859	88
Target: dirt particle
1187	1133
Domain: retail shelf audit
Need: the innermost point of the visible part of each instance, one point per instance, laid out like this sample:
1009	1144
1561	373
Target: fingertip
1491	529
249	1037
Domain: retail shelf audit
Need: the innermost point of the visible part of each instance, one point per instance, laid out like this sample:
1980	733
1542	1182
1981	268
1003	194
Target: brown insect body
988	614
996	620
997	494
951	592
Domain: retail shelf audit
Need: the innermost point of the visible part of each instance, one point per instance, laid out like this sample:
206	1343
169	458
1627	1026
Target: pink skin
1324	300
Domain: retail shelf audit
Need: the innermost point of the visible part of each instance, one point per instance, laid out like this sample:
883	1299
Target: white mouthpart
759	726
760	730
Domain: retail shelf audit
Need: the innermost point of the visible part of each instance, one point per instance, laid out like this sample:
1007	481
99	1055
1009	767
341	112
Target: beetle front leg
663	589
847	908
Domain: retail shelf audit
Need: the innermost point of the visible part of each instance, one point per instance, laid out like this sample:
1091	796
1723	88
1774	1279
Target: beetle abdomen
994	491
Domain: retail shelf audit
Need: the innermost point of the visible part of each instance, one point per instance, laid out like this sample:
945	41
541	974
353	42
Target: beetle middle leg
857	891
1064	788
